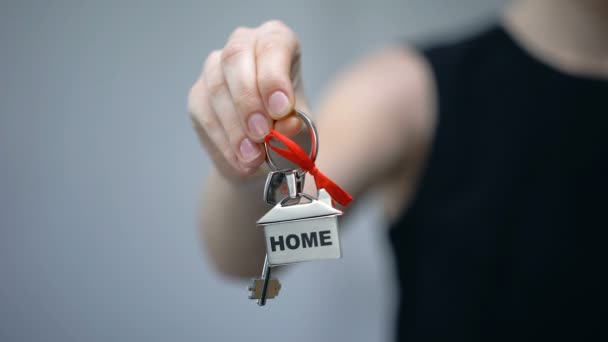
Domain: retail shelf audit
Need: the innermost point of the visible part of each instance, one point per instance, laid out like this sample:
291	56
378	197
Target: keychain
299	227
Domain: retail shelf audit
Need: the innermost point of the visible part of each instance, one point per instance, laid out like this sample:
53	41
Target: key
265	287
299	227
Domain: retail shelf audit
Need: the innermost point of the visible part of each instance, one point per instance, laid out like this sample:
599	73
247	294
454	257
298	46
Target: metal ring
314	145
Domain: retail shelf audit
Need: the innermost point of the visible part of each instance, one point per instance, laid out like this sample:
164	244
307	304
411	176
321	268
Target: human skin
388	98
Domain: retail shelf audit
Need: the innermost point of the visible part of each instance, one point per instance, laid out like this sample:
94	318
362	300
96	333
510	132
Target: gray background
100	172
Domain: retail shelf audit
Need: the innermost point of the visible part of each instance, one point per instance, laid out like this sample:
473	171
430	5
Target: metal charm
302	232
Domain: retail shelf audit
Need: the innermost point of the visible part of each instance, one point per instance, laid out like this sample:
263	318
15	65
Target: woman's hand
243	89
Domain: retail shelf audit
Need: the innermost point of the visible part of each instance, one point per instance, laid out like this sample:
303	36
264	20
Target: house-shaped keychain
302	232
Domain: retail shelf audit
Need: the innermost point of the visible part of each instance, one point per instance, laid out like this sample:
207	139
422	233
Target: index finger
277	57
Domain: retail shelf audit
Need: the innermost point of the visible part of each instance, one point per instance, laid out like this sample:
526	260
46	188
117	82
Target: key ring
293	179
314	145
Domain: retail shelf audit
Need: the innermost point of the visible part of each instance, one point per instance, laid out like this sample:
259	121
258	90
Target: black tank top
505	238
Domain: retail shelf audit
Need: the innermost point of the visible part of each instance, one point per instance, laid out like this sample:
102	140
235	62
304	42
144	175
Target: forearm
228	216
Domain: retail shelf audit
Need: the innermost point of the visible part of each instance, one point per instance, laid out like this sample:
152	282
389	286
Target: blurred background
100	171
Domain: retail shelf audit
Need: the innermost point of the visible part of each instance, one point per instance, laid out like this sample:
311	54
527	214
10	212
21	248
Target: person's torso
504	239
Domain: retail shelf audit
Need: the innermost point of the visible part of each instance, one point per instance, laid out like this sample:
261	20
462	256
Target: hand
243	89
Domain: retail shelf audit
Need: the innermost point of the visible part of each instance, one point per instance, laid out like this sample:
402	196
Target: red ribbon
296	154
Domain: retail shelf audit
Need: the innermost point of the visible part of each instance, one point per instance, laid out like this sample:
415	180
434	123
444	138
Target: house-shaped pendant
302	232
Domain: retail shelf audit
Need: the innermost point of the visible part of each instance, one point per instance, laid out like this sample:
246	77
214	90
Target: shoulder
382	107
409	101
395	76
397	84
392	93
423	77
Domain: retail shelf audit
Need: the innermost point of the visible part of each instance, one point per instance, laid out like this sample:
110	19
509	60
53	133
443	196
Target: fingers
277	53
243	87
208	127
239	69
221	102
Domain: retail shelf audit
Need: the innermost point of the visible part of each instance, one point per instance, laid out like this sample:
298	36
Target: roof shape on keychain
317	208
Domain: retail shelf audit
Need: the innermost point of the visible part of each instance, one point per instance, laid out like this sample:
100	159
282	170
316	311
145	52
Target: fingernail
278	103
249	150
258	125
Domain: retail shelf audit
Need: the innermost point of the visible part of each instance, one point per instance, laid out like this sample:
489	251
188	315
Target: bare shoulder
411	80
396	77
387	103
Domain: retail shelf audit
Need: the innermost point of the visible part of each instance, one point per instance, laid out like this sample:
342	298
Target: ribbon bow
296	154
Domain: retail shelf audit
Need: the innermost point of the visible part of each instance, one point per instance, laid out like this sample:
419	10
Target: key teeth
253	288
274	287
278	286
